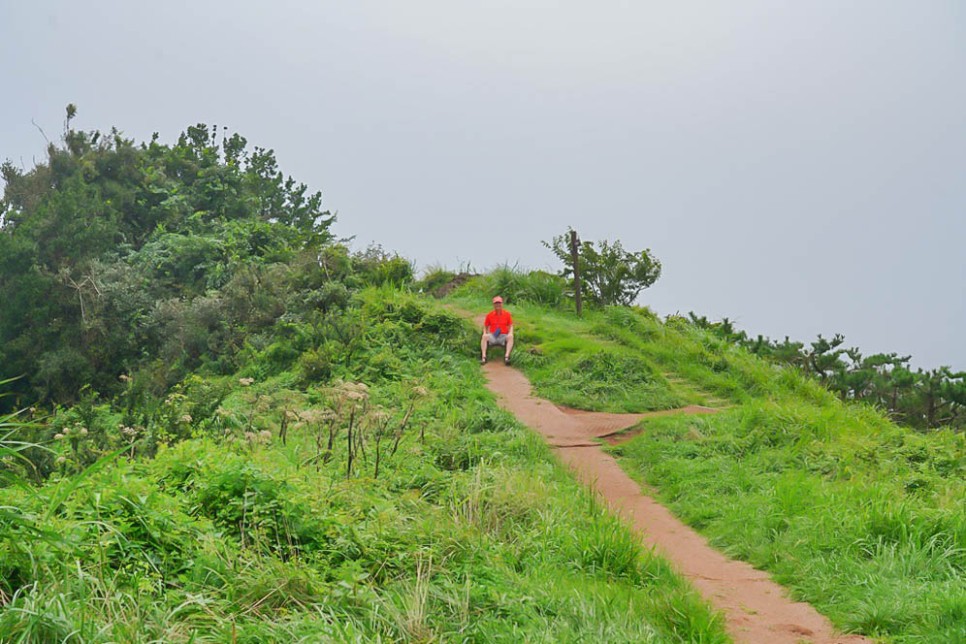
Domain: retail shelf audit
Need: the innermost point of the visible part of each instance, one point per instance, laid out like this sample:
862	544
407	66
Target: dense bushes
117	254
117	258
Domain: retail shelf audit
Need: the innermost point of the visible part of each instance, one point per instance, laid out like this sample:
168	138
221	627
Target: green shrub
517	285
378	267
486	418
434	279
317	365
606	376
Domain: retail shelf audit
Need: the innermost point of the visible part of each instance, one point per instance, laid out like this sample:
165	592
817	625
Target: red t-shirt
498	320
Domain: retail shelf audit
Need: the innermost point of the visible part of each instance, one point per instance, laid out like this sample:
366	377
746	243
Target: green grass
471	531
568	362
516	285
860	517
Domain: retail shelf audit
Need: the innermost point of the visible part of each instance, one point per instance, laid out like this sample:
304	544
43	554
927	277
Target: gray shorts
492	339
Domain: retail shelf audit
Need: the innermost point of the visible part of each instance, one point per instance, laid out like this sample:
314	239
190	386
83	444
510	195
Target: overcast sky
797	167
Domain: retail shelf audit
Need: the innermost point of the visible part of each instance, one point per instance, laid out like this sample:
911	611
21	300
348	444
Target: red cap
498	299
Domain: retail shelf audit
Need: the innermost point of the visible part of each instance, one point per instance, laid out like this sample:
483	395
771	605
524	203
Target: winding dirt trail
757	609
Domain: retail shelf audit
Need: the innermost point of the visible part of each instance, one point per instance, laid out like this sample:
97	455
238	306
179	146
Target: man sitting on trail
497	329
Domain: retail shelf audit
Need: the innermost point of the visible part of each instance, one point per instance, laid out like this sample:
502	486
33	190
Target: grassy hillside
862	518
247	526
219	424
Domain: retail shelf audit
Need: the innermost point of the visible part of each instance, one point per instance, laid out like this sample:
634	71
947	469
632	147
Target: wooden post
574	242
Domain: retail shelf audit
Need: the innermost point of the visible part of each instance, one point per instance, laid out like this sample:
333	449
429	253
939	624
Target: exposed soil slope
757	609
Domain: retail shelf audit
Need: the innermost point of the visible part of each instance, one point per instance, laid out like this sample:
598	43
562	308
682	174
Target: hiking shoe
506	361
483	360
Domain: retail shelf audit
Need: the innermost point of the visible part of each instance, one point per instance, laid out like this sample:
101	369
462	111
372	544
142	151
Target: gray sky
797	167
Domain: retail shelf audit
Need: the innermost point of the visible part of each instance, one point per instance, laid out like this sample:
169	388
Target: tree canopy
114	254
610	274
924	399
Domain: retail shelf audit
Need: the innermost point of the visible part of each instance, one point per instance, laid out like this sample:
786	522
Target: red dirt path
756	609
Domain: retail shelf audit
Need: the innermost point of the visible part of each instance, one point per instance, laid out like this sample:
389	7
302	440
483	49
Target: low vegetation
857	515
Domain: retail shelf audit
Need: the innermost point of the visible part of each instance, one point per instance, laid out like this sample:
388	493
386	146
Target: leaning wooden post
576	260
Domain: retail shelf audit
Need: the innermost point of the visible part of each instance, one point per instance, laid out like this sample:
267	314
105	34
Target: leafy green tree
824	358
901	381
941	394
921	399
610	274
105	242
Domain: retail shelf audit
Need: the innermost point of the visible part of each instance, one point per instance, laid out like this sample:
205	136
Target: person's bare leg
483	347
509	347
